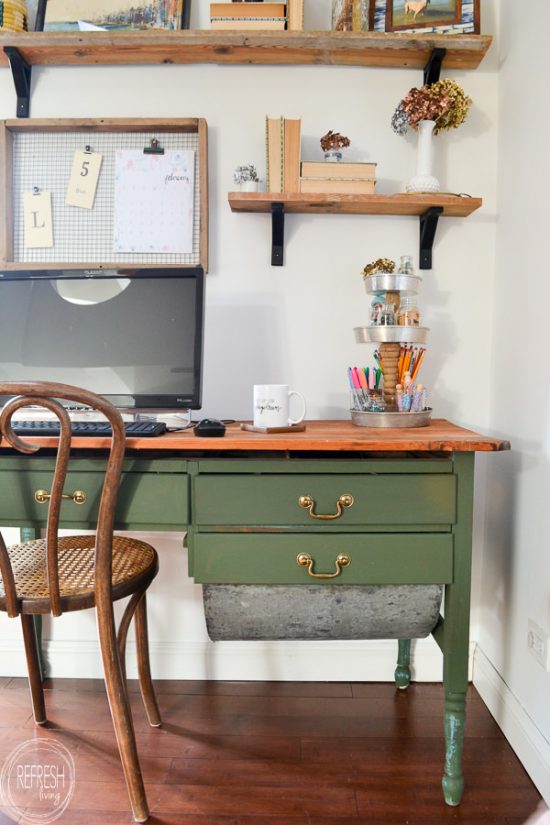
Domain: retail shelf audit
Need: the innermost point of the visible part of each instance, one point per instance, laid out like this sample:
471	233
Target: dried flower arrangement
444	102
333	141
245	173
380	265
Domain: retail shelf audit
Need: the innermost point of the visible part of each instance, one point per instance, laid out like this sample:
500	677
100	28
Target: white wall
293	324
515	570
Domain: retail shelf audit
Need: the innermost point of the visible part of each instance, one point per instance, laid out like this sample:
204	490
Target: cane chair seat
134	564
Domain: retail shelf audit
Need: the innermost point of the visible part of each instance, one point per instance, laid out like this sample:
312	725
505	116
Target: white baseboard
531	747
360	661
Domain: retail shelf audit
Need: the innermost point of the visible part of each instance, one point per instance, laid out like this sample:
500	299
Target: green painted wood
273	500
402	673
359	464
456	633
453	725
249	558
93	464
146	499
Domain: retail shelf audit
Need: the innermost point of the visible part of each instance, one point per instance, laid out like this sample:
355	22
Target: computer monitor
133	337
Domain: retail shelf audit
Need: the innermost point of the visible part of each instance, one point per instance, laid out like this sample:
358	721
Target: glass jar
387	316
376	307
405	266
408	314
375	401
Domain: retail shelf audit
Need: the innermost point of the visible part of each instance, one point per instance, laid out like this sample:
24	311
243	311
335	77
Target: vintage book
291	155
341	171
244	24
330	186
247	10
295	15
274	143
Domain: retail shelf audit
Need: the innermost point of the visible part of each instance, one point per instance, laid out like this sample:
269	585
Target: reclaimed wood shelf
453	206
428	208
404	50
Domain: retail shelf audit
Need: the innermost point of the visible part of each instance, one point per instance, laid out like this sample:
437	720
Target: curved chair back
48	394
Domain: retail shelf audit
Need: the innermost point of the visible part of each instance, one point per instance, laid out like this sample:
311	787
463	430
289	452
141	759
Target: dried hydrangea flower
399	122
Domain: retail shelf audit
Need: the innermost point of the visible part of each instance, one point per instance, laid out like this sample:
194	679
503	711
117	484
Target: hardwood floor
257	753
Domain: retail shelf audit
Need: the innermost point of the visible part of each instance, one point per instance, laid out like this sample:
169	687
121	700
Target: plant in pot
246	177
429	110
332	144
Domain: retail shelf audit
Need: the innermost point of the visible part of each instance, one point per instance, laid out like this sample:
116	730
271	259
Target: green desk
400	504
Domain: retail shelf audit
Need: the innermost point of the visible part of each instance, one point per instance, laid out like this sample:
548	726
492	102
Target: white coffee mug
271	405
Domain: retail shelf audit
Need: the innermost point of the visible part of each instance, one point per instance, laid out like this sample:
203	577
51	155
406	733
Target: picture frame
112	15
425	16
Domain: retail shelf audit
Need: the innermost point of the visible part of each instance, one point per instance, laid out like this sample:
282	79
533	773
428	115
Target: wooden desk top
318	436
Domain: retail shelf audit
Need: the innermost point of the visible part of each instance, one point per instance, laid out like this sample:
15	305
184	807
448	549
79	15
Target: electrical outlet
537	643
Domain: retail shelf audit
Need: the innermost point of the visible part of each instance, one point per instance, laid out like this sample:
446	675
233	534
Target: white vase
249	186
423	180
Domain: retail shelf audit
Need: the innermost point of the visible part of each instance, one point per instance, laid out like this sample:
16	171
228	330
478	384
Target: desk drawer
144	499
249	558
415	499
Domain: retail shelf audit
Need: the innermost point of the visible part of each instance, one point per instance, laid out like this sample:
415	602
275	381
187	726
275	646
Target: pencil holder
13	15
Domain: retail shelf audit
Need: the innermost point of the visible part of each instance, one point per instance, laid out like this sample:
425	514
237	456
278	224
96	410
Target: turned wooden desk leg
29	534
456	632
402	673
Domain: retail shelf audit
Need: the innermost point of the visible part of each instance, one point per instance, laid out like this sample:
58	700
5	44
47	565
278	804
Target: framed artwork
111	15
425	16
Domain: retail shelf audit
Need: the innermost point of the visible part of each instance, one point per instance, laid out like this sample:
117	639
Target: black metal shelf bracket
428	225
277	233
432	69
21	71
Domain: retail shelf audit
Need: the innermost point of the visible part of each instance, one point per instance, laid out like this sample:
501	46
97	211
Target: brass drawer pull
79	496
305	560
308	503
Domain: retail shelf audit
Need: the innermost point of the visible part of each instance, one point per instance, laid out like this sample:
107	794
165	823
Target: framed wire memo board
36	159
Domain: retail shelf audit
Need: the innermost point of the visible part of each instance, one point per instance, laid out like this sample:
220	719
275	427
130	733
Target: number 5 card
83	181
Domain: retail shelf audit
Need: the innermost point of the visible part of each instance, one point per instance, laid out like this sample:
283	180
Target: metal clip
154	149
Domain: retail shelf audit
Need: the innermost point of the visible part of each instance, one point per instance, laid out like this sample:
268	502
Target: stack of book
247	16
325	177
282	140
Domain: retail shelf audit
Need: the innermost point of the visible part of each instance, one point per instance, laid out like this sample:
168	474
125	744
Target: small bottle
418	398
387	316
409	314
405	265
399	397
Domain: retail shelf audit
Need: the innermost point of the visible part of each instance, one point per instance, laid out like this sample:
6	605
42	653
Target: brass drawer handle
305	560
308	503
79	496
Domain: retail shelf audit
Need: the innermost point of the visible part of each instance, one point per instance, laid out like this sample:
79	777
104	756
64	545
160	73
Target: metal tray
387	282
391	334
391	419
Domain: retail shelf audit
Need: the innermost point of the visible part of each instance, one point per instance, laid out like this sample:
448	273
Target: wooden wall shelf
428	208
464	51
453	206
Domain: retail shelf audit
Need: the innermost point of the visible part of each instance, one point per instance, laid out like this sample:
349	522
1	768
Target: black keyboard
136	429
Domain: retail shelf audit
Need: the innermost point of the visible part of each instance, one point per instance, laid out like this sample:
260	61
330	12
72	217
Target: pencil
417	366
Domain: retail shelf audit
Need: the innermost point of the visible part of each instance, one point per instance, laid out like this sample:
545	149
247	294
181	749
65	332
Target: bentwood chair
62	574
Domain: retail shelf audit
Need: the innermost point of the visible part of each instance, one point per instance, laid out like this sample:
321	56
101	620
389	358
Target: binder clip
154	149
